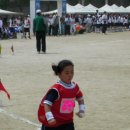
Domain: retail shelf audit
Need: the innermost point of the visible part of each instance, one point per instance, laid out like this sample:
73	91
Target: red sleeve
79	94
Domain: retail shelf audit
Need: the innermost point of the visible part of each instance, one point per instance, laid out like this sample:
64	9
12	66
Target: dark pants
104	28
27	30
67	29
69	126
55	30
50	30
41	41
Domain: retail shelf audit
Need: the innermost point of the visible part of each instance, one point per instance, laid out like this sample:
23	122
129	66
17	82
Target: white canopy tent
106	8
120	9
92	9
124	10
91	6
69	9
78	6
77	9
114	9
88	9
128	8
5	12
51	12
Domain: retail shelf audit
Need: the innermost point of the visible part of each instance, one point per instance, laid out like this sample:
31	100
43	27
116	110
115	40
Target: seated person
80	29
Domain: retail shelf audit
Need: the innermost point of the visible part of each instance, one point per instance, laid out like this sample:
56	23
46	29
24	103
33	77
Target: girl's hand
80	114
52	122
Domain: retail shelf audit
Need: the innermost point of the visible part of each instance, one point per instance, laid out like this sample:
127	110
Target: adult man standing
39	28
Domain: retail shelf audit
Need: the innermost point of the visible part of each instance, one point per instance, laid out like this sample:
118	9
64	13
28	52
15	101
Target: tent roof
128	8
123	9
92	9
78	6
91	6
88	9
106	8
70	9
7	12
115	6
51	12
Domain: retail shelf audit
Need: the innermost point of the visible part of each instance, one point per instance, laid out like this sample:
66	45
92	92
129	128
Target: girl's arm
81	112
51	96
50	118
80	100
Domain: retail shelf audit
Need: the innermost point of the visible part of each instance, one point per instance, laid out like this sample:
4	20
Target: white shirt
1	23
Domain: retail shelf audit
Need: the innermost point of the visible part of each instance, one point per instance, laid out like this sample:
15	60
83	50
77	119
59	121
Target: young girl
56	108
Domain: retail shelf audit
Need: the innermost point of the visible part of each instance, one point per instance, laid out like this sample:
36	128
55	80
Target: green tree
4	4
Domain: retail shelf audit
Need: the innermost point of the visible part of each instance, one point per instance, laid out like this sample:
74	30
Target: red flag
2	88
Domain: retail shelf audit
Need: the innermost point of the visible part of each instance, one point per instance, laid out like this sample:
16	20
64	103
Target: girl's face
67	74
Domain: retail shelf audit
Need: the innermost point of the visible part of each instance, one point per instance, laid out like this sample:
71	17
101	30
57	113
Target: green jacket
39	24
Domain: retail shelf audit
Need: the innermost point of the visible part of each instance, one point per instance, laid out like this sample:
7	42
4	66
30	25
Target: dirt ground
102	70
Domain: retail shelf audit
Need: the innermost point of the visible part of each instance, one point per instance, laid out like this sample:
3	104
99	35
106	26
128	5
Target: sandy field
102	70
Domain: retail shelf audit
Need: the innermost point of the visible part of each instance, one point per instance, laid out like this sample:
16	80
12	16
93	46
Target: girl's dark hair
61	65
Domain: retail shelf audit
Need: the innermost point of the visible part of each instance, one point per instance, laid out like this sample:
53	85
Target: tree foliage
4	3
20	4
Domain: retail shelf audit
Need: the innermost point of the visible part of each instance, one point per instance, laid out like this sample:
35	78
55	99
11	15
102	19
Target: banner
37	4
64	6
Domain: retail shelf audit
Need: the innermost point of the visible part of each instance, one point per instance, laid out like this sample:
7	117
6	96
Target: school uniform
104	23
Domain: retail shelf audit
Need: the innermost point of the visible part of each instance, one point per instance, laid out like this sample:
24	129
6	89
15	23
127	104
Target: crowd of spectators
9	27
69	24
80	23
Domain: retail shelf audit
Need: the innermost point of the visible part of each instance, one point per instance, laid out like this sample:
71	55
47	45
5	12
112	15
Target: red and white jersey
63	107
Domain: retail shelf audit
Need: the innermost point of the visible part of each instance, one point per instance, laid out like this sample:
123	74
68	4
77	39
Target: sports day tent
51	12
91	6
77	9
78	6
128	8
6	12
124	10
120	9
114	9
2	12
106	8
69	8
92	9
88	9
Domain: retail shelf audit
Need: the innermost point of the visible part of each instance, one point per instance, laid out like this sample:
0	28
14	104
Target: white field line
19	118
